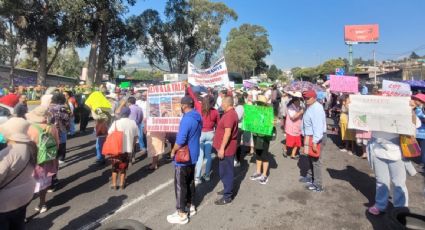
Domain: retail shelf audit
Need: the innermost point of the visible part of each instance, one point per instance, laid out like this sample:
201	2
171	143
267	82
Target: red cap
309	94
419	97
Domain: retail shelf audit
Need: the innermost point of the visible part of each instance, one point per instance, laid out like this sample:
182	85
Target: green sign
125	85
258	119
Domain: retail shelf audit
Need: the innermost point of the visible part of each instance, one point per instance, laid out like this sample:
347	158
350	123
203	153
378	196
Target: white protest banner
216	75
394	88
344	84
379	113
164	108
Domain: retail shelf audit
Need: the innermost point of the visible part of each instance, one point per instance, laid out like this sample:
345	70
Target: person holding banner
347	135
313	129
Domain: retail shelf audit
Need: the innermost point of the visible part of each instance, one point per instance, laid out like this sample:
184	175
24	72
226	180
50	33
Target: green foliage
143	75
328	67
414	55
274	73
254	46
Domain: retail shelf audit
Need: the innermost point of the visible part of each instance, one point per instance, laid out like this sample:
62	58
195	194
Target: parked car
5	113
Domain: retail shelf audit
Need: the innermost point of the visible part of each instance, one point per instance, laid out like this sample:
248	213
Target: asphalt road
85	201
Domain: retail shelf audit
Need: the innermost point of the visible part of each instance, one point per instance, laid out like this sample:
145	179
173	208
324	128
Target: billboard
354	34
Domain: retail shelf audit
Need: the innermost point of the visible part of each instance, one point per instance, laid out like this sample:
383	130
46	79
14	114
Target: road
84	199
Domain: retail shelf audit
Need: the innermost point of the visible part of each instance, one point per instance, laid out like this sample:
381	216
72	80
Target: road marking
127	205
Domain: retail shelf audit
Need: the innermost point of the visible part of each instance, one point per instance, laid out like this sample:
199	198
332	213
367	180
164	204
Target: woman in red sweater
210	118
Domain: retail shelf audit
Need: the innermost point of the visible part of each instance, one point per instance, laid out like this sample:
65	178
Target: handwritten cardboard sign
344	84
394	88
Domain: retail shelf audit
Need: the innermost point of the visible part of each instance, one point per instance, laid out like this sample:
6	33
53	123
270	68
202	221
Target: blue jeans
142	144
205	143
225	168
72	126
99	146
422	145
387	171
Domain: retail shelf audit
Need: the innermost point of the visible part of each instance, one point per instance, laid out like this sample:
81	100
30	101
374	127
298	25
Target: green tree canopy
274	73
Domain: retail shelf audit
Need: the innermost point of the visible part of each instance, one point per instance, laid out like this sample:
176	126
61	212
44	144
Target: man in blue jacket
184	177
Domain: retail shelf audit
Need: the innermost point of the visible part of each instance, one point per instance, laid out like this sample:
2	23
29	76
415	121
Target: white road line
127	205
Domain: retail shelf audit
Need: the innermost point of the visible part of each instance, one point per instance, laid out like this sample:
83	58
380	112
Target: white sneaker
61	162
175	218
41	209
343	150
192	210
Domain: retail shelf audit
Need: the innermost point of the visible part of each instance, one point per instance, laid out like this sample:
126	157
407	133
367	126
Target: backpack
47	146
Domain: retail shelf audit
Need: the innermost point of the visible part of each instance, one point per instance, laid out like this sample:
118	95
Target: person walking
313	129
21	108
130	131
136	115
44	172
60	115
189	135
16	168
210	118
226	144
73	105
142	103
418	102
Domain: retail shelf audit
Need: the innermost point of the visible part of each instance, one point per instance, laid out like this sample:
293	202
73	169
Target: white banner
216	75
395	88
380	113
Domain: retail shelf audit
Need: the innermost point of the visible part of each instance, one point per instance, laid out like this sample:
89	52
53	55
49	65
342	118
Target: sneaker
198	181
374	210
314	188
236	163
343	150
206	178
263	180
175	218
61	162
223	201
41	209
305	180
255	176
192	210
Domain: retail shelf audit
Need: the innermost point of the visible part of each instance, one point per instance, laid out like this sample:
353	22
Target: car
5	113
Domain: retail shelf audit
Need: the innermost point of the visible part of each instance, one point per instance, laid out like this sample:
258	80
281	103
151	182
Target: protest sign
258	119
249	84
379	113
344	84
216	75
97	100
394	88
164	108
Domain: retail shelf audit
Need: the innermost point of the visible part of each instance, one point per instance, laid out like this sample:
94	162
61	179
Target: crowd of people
211	127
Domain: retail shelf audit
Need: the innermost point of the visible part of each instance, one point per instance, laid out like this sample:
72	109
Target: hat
262	98
15	129
295	94
186	100
125	112
419	97
38	115
309	94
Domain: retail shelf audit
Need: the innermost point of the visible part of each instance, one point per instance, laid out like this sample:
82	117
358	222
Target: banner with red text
344	84
395	88
164	108
216	75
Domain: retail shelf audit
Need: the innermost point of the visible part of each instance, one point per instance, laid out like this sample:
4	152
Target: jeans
225	168
315	170
387	171
422	145
13	220
72	126
99	146
184	186
205	142
142	144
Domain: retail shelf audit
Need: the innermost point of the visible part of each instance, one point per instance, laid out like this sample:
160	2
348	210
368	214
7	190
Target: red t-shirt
10	100
210	121
228	120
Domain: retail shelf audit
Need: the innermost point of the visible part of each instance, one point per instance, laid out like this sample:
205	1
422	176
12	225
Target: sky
305	33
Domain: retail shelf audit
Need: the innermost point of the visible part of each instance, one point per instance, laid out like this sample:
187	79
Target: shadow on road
106	209
46	221
359	180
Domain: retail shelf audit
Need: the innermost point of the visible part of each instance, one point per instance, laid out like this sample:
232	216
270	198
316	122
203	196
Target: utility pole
374	64
350	57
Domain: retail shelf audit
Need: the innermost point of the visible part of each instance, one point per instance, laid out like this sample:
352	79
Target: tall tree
274	73
254	36
191	28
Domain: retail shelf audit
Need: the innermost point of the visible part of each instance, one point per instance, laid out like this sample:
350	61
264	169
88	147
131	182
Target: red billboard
361	33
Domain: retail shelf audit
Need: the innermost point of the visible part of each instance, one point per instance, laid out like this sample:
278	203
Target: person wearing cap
313	129
130	131
16	168
43	173
226	143
293	121
188	135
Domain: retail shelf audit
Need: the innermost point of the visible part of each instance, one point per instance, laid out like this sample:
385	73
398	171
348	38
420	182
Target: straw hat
38	115
295	94
262	98
16	129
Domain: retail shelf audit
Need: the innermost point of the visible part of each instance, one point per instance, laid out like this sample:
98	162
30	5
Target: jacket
189	134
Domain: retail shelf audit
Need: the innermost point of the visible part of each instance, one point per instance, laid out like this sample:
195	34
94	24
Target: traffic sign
339	71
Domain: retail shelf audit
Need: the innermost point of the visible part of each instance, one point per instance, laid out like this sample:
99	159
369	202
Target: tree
191	28
274	73
67	63
256	38
328	67
239	55
414	55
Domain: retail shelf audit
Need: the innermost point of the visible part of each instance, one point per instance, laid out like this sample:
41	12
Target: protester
419	101
225	142
347	135
44	172
142	103
276	98
136	115
73	105
262	155
11	99
16	168
362	138
313	128
240	111
59	115
130	131
189	135
101	132
21	108
293	125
